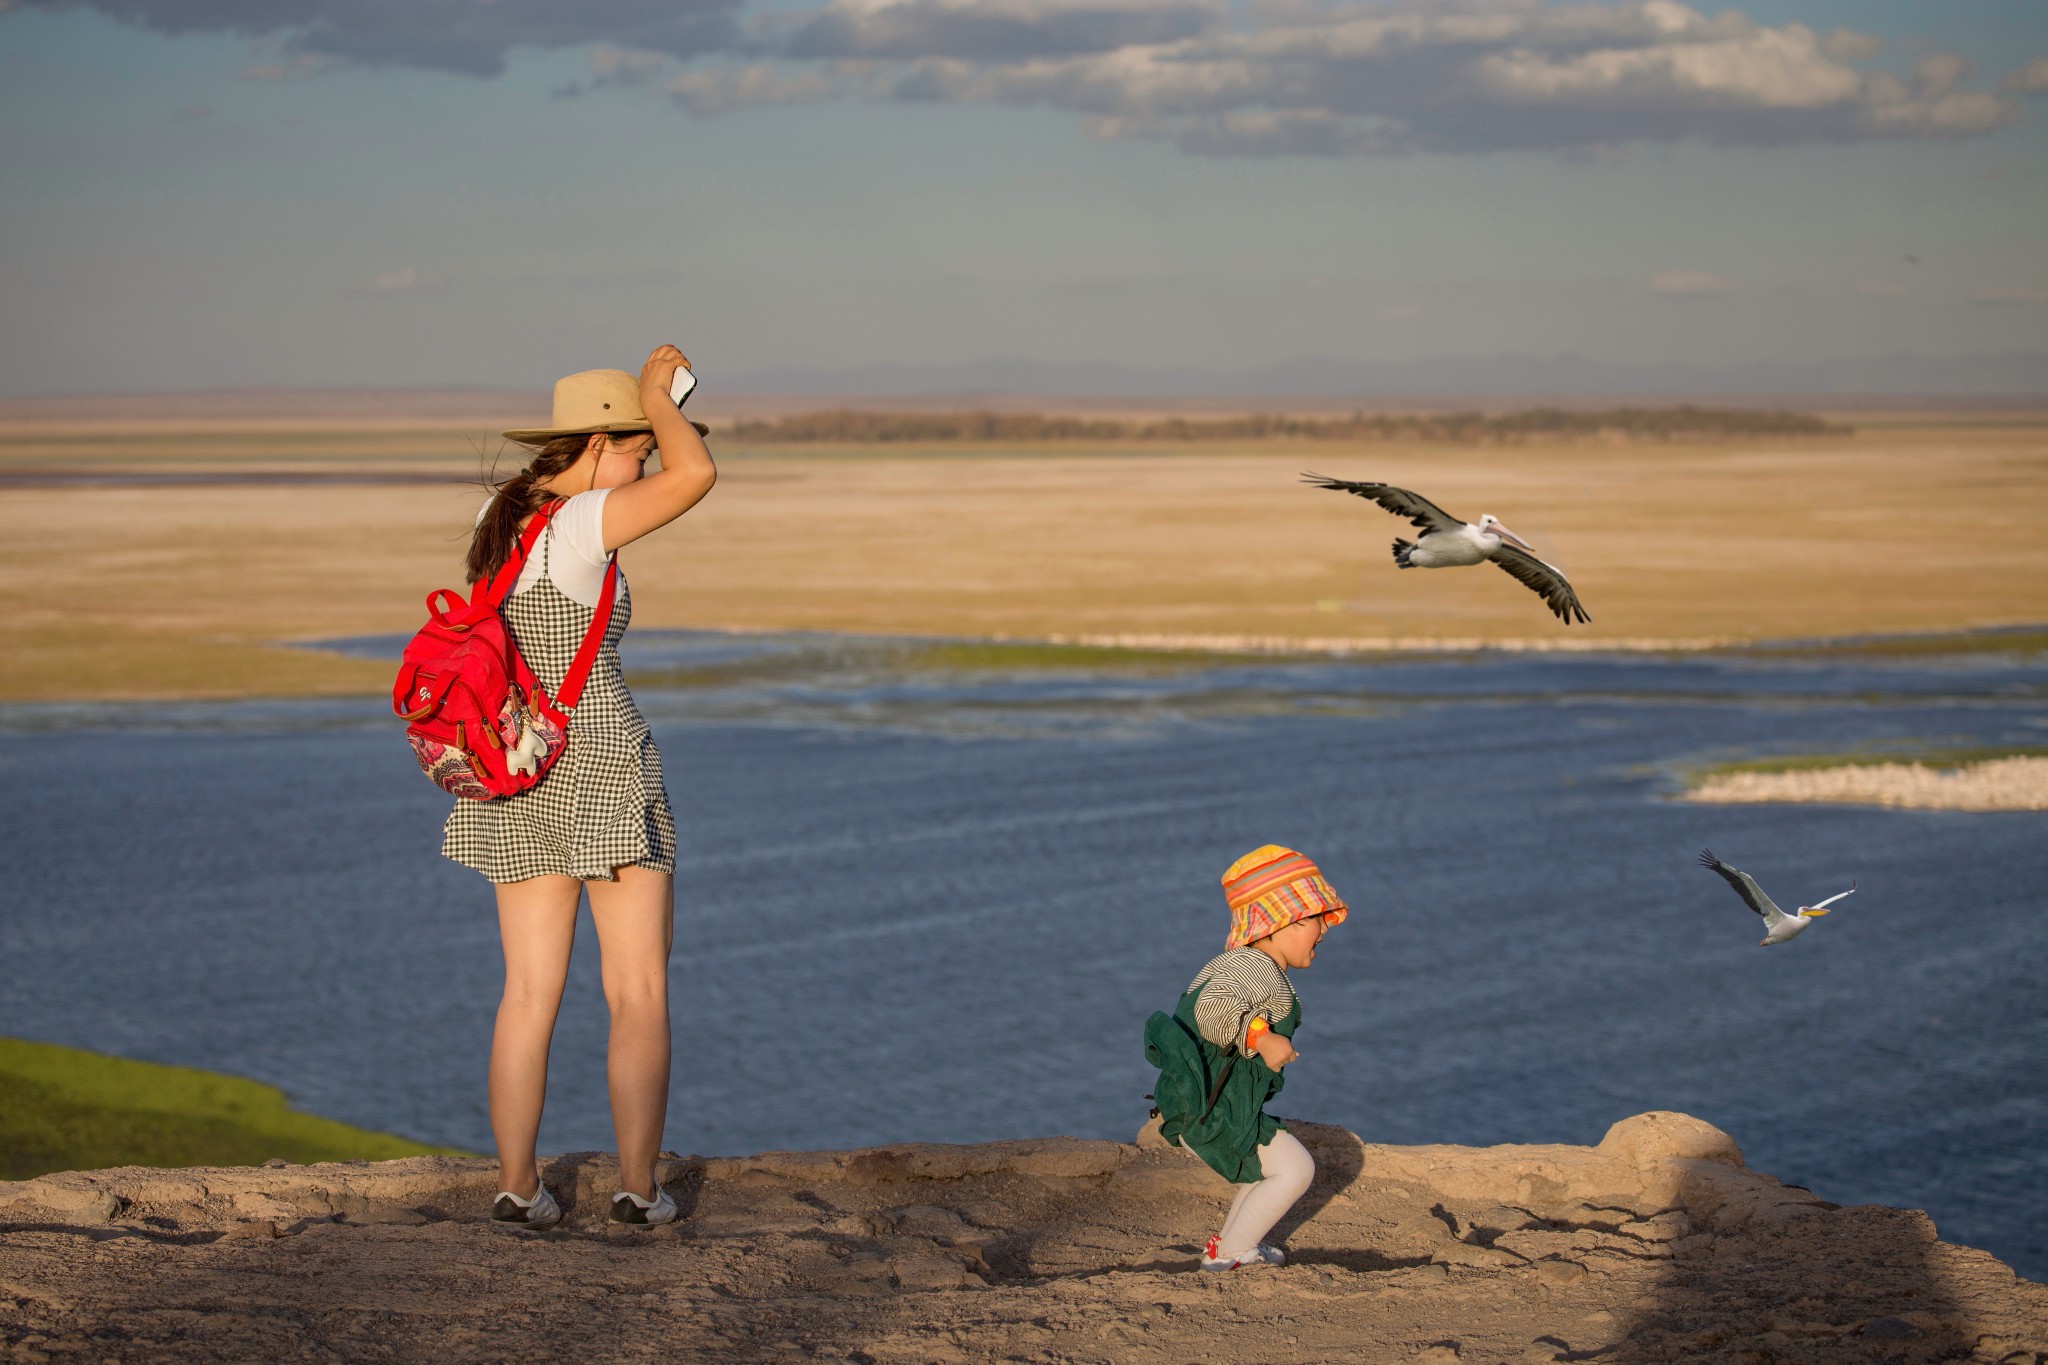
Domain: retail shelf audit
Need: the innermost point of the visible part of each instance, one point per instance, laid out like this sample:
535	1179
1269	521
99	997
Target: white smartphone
679	387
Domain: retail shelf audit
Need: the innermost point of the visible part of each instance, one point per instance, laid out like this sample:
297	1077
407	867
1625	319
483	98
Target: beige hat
595	400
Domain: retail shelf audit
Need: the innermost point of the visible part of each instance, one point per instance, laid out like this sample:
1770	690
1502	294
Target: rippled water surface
922	904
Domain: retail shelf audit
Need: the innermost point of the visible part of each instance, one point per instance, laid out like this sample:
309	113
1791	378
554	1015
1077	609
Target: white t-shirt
575	557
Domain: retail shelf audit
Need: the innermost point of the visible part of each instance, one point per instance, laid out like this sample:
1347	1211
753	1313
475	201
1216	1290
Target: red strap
445	614
586	653
487	600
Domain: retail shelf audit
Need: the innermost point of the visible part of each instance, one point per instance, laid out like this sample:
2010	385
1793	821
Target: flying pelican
1447	543
1778	926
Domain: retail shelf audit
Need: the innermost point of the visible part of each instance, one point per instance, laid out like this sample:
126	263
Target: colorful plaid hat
1270	888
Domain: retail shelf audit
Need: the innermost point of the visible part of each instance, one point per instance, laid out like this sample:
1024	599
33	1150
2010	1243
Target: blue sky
367	198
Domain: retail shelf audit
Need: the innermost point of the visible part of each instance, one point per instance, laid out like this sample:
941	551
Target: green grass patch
88	661
854	655
2029	640
70	1110
744	673
1871	758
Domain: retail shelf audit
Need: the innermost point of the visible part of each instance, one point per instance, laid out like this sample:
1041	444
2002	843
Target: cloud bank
1287	77
467	36
1255	78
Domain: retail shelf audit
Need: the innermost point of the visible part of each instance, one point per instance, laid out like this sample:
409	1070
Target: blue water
940	908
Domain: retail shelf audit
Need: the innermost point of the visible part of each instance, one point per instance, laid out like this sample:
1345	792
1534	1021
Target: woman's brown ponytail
514	500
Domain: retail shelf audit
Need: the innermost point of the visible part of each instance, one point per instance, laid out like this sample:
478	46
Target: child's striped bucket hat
1270	888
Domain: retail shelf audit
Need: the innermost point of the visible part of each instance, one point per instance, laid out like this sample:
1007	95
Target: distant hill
1901	376
1685	422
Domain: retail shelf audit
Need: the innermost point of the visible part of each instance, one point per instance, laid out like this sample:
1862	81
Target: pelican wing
1542	579
1745	886
1837	896
1420	511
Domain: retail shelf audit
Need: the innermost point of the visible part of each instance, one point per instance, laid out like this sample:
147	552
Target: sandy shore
1996	784
1655	1245
137	589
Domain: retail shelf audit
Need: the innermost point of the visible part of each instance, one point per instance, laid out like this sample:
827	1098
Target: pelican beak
1511	538
1811	914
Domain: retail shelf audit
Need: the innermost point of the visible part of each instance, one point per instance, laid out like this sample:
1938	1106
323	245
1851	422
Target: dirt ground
1655	1245
114	585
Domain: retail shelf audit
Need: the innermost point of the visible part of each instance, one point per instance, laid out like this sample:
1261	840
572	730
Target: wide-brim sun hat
1270	888
594	401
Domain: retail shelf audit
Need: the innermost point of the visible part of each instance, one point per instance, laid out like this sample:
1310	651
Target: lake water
929	906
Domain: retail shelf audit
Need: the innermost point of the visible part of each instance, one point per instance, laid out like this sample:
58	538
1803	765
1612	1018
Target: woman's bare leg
635	918
537	924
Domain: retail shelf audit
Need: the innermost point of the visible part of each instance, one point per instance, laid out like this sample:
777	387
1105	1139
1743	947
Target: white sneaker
541	1211
1258	1255
628	1207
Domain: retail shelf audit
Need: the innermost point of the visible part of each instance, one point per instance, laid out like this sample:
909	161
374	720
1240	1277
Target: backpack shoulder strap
503	581
593	639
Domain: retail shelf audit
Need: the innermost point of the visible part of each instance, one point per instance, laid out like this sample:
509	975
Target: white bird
1778	926
1447	543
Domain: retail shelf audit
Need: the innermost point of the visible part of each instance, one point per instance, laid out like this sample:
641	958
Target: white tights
1288	1169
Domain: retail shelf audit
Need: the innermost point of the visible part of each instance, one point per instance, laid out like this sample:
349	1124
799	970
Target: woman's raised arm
686	474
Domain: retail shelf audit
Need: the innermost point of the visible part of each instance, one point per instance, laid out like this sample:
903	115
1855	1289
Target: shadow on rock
1339	1160
1765	1272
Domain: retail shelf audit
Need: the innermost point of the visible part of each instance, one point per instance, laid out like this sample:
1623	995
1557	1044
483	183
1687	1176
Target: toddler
1221	1051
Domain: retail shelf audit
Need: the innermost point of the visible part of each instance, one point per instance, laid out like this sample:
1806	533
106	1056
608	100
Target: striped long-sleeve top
1237	986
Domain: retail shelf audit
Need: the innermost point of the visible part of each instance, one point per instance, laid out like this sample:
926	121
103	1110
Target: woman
599	821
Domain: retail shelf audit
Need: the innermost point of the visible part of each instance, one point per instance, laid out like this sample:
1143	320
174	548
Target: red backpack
480	723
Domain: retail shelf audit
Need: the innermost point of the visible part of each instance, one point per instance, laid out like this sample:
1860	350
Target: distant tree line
1642	424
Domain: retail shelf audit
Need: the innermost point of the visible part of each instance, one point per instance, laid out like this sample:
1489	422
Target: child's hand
1276	1051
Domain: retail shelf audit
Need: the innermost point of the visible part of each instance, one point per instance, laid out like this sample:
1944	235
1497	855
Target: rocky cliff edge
1657	1244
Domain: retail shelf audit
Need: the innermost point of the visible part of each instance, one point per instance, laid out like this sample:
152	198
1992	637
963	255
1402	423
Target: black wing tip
1571	613
1707	859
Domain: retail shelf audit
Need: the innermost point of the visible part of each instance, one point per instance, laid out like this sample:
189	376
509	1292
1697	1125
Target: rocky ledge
1656	1245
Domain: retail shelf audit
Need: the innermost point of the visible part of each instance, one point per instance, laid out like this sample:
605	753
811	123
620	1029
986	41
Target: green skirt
1228	1133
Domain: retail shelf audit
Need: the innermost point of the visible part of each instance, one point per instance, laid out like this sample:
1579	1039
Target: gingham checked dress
602	805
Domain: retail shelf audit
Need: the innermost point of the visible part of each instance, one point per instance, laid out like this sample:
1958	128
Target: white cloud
718	90
618	68
1939	73
994	30
1324	77
1269	132
467	36
1765	69
1690	282
1847	45
1264	77
2031	79
1953	115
